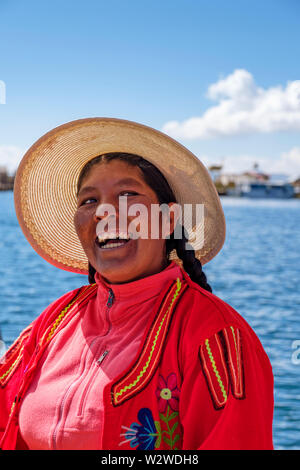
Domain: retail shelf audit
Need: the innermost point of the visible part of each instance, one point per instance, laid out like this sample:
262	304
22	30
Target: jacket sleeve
227	393
11	372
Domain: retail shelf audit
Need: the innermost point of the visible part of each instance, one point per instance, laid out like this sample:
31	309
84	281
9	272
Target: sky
221	77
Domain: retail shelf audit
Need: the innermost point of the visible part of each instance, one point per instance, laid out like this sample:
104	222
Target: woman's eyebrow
85	189
128	181
122	182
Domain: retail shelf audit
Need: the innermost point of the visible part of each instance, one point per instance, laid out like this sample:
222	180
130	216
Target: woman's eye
87	201
91	200
125	193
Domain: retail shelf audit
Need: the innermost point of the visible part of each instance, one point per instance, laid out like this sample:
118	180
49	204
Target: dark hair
156	180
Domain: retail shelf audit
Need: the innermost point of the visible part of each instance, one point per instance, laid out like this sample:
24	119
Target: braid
190	263
92	272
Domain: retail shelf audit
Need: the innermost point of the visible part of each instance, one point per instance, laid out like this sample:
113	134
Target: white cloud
289	163
242	107
10	157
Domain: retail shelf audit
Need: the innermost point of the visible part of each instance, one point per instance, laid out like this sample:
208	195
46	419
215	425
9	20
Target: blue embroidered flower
143	434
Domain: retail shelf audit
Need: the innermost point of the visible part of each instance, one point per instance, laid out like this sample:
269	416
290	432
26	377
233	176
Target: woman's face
137	258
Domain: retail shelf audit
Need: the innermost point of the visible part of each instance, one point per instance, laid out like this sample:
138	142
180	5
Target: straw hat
46	183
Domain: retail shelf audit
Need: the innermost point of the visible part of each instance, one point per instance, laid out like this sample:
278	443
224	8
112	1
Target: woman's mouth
112	243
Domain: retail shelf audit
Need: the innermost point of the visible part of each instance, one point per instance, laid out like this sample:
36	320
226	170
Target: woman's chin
118	274
117	264
132	261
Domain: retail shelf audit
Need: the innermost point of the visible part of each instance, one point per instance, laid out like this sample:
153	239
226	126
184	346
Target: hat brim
46	183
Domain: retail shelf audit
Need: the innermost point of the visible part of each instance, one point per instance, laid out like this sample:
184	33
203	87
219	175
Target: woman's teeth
110	236
113	244
111	240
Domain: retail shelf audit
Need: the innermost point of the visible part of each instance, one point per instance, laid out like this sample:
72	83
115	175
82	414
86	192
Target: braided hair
156	180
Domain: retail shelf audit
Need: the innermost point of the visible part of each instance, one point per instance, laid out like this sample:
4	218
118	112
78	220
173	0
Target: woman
145	356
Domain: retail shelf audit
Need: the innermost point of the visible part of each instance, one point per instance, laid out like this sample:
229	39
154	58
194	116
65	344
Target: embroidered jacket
201	379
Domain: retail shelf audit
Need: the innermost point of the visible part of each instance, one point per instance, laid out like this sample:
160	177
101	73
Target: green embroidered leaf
163	418
173	428
158	429
173	415
176	438
157	426
167	441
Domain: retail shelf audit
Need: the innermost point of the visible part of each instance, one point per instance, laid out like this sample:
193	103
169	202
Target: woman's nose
105	210
106	220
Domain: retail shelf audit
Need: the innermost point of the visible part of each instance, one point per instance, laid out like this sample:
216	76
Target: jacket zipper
89	384
109	303
110	298
102	357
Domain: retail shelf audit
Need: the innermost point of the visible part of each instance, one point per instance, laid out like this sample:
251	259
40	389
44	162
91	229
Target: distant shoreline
9	187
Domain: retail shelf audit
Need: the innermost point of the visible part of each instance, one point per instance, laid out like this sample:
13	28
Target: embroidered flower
168	393
143	434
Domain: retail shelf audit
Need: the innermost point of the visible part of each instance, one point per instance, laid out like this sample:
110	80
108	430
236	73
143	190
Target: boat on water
263	189
255	184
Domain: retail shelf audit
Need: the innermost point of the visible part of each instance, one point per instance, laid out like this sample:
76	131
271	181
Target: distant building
266	189
234	179
253	184
296	185
215	171
6	181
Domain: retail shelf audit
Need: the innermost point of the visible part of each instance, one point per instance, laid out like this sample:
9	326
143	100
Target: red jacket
201	379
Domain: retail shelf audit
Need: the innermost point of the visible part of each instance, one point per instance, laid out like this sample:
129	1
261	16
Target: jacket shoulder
205	314
30	336
55	314
214	335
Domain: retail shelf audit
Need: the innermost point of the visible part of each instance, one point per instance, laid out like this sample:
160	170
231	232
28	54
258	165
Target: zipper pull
102	357
110	298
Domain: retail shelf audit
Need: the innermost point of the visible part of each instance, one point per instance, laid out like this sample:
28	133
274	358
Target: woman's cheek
155	226
81	223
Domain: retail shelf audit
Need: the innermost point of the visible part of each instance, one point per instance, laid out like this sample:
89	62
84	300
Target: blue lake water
257	272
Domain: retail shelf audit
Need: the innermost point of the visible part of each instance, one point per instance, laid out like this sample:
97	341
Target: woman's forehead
115	166
114	173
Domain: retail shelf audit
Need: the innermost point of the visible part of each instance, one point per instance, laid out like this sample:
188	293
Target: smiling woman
144	356
123	261
148	255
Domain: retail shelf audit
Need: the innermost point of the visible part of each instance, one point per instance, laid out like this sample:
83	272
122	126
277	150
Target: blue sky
221	77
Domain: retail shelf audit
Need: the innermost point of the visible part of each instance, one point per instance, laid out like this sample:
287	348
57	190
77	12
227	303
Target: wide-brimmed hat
46	184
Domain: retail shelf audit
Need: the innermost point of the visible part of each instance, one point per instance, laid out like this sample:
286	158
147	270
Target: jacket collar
138	291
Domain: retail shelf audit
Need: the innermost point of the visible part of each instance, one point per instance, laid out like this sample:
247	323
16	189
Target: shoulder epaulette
222	364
